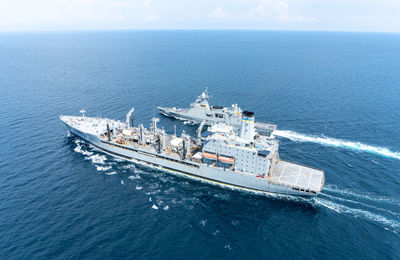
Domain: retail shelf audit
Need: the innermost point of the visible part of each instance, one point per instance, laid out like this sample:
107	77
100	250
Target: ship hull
202	172
198	117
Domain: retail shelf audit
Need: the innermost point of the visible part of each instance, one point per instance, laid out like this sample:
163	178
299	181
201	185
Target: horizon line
191	29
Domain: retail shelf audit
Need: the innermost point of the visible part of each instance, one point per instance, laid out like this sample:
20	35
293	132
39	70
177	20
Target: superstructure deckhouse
222	155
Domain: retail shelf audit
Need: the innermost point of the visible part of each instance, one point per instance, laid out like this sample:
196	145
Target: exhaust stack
247	130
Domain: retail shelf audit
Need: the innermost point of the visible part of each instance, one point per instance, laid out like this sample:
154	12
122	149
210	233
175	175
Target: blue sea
334	96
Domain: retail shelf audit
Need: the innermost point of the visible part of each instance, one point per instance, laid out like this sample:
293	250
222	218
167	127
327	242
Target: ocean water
336	100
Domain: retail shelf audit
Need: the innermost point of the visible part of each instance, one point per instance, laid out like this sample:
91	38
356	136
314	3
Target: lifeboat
209	156
120	141
228	160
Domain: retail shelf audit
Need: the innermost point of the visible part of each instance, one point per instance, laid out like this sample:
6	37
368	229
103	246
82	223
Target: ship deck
91	125
297	176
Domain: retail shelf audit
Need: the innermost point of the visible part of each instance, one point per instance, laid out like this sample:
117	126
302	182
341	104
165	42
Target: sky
319	15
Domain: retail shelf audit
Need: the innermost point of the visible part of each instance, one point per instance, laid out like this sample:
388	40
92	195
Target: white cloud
275	10
282	11
147	3
265	10
61	14
219	14
153	18
370	15
282	14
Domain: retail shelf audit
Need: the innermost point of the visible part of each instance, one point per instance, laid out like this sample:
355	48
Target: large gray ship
223	155
201	111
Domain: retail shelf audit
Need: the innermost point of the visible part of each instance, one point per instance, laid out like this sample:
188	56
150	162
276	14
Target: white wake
357	212
356	146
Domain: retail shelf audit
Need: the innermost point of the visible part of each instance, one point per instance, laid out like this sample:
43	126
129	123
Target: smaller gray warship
201	111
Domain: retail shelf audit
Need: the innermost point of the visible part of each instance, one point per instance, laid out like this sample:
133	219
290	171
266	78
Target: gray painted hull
197	118
203	172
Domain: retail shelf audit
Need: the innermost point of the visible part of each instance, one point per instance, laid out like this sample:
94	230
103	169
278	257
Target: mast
82	111
142	141
108	132
154	121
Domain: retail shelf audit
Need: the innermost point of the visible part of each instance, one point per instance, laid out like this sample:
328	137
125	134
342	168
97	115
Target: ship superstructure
243	158
202	111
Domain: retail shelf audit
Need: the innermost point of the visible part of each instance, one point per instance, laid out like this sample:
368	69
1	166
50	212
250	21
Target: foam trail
97	159
103	168
340	208
360	203
357	146
358	194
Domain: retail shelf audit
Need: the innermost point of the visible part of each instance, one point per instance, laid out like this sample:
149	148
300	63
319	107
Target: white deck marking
298	176
282	172
309	181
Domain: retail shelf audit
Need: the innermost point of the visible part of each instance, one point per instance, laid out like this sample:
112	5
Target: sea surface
335	97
